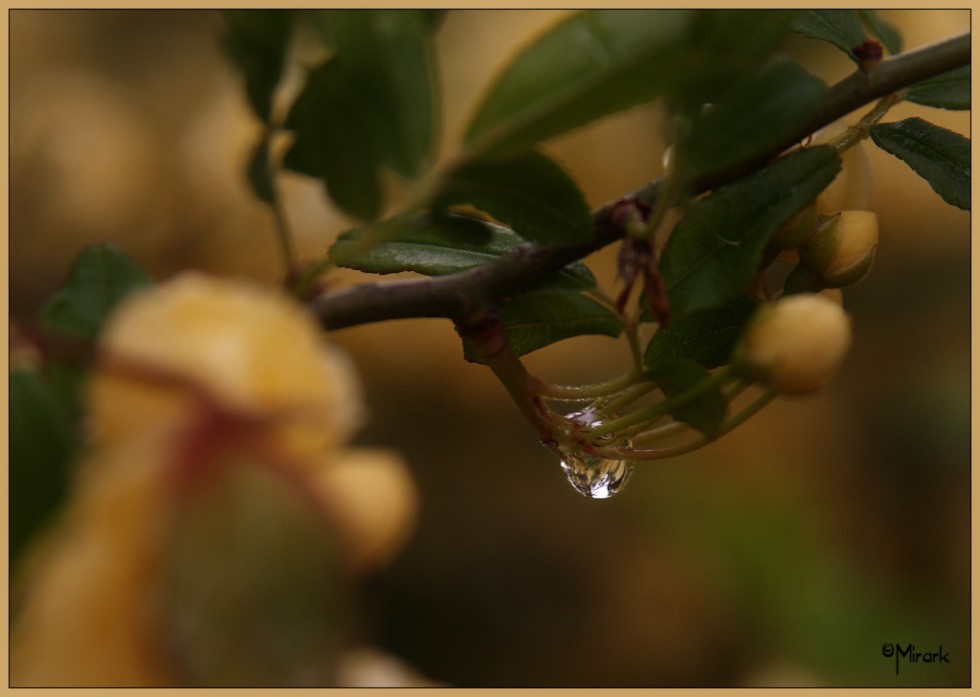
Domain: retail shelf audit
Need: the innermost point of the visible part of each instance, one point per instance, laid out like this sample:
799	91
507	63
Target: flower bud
794	345
842	250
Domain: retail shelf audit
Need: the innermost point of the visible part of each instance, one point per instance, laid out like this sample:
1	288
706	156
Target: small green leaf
947	91
842	28
542	317
437	246
371	104
592	64
530	193
335	125
715	250
938	155
759	112
256	40
598	62
42	443
101	277
884	31
707	337
706	412
390	56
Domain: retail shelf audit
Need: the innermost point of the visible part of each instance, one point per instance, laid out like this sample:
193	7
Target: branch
458	295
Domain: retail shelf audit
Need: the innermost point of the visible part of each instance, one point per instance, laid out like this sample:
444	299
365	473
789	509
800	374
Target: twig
456	296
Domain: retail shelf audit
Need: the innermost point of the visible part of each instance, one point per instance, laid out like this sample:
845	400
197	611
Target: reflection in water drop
596	477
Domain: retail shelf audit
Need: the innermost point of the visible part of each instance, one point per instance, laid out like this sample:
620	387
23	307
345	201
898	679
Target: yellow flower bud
796	344
216	517
842	250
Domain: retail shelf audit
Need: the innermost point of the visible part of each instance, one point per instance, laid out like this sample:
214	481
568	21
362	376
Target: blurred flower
218	517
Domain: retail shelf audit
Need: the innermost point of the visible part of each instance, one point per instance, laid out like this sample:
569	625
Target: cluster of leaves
373	104
46	409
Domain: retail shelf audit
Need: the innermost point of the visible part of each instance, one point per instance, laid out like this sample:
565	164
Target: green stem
572	393
665	407
737	420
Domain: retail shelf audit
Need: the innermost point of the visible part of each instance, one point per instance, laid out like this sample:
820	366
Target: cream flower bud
842	250
796	344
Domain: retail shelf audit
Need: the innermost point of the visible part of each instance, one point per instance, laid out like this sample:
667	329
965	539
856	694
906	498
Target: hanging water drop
596	477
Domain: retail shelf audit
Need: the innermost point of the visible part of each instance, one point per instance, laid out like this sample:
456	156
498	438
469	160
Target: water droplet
596	477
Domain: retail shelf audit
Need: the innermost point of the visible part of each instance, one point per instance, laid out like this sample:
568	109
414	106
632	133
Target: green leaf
542	317
598	62
335	127
938	155
947	91
707	337
706	412
391	58
592	64
883	31
371	104
437	246
761	111
717	247
256	40
842	28
42	443
101	277
530	193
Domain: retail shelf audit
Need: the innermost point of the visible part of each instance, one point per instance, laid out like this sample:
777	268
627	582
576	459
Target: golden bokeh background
786	554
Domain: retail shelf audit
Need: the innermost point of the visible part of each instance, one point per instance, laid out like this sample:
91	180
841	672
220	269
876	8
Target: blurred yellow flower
217	517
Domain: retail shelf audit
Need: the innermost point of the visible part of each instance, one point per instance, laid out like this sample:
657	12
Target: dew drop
596	477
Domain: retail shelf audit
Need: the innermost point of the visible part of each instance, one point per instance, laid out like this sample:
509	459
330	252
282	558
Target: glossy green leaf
592	64
760	112
842	28
437	246
101	277
42	443
707	411
883	31
542	317
371	104
530	193
717	247
257	40
938	155
947	91
598	62
707	337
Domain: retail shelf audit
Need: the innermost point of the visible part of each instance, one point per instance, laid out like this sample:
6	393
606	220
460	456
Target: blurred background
785	554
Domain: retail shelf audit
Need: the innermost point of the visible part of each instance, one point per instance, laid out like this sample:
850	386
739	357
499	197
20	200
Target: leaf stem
728	426
665	407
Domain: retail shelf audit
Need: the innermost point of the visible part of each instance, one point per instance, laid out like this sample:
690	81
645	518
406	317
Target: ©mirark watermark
912	655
